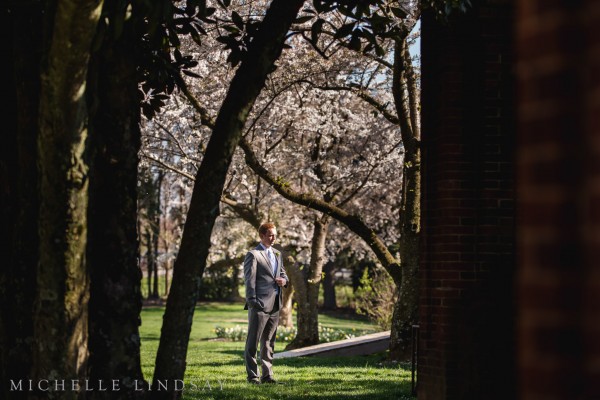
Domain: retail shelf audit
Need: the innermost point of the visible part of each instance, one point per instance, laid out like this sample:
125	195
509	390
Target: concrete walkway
361	345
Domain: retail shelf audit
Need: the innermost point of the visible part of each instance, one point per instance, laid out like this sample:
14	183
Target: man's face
268	238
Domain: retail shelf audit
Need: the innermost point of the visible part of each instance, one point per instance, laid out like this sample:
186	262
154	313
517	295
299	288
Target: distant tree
149	215
306	287
402	82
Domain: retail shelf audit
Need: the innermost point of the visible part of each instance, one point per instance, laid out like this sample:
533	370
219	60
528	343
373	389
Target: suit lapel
263	253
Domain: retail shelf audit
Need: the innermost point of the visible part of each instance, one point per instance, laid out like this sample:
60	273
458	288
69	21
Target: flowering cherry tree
353	147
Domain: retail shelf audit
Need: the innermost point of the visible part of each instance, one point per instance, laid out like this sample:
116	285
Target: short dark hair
265	227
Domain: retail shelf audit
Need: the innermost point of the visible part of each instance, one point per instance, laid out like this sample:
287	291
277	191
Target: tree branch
360	93
205	117
400	93
242	210
353	222
413	95
177	142
168	166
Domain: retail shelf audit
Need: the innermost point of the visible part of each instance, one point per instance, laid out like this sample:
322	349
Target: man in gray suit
264	277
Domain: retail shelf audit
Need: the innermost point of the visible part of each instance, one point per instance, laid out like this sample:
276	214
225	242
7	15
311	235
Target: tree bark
406	307
329	300
307	289
285	314
154	212
155	293
115	277
60	318
167	269
245	87
150	264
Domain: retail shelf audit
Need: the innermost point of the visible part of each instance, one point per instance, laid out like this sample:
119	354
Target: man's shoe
254	381
268	380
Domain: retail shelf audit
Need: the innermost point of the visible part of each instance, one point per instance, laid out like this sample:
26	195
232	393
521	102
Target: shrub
376	297
238	333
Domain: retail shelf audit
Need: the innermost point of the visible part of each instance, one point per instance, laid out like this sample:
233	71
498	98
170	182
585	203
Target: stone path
361	345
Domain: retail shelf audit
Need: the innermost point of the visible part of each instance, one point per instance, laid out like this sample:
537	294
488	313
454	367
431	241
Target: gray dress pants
262	328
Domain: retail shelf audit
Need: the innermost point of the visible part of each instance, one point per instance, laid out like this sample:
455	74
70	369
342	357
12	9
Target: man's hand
280	281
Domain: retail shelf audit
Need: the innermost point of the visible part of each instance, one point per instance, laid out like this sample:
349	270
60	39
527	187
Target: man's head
268	234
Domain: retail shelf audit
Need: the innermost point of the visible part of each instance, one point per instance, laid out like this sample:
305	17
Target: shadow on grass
222	364
360	387
374	361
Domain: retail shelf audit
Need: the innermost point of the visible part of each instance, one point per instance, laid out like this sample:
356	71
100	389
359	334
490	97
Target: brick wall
559	199
467	313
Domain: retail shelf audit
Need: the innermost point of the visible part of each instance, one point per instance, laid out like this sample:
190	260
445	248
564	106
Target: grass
215	369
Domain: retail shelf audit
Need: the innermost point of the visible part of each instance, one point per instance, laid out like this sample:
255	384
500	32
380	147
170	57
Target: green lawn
215	369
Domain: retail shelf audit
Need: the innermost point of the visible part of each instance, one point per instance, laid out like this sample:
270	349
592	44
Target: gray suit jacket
261	288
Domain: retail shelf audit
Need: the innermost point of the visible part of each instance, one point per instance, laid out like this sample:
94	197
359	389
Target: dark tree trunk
115	277
163	226
245	87
285	314
150	264
406	307
155	225
329	300
167	268
407	304
61	308
155	293
307	290
154	212
18	192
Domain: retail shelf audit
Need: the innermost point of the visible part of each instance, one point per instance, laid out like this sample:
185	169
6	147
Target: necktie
272	259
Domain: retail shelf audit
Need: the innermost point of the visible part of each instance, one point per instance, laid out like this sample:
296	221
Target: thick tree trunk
406	307
329	300
307	290
61	310
115	277
404	316
285	314
245	87
18	192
